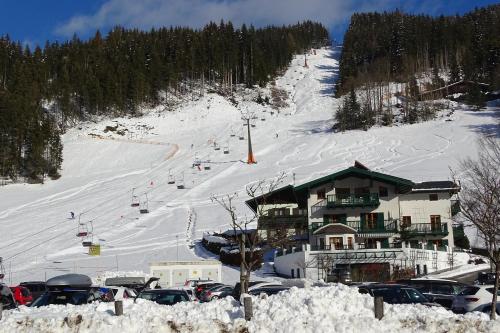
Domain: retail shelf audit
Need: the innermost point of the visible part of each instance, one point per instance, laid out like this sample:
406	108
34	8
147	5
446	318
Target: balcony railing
291	220
389	226
419	229
352	200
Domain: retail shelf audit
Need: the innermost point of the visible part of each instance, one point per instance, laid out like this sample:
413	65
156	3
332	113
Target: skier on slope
72	215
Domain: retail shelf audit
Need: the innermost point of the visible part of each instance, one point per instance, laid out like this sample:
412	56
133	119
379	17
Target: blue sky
35	21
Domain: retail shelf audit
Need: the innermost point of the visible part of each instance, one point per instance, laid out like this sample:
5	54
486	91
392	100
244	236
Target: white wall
420	208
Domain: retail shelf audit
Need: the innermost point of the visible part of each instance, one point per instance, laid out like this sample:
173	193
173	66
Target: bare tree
480	201
258	193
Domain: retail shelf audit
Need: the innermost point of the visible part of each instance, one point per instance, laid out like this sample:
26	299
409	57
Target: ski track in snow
98	174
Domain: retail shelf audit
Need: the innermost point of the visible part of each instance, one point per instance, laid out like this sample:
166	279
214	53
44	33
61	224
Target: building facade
361	223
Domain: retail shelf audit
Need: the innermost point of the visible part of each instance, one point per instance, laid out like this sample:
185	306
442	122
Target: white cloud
145	14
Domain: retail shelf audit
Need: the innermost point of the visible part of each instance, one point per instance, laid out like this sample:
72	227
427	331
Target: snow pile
336	308
215	239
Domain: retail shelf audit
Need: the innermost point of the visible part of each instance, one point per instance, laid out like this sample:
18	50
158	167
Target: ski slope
100	169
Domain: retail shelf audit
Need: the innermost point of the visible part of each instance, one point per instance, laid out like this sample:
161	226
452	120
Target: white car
474	298
121	293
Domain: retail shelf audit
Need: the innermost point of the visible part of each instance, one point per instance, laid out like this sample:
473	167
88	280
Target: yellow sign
95	250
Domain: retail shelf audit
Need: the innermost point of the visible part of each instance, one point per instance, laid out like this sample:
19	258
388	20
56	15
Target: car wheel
214	298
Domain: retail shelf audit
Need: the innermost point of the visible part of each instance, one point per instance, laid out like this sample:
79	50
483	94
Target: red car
22	295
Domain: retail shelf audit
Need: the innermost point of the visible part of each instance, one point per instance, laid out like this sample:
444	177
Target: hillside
100	169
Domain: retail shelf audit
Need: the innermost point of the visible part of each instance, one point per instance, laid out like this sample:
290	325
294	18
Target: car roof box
69	280
125	281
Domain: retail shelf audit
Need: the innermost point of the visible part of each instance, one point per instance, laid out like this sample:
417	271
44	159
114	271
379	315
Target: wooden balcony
291	221
389	226
352	200
424	229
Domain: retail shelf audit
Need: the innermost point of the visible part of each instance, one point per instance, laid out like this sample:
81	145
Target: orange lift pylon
251	159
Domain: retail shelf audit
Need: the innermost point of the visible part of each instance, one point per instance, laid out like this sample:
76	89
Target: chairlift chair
83	230
253	125
216	147
226	149
143	209
180	184
135	199
171	179
207	166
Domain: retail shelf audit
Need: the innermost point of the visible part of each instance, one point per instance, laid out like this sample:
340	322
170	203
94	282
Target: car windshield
469	291
166	297
413	295
491	290
63	298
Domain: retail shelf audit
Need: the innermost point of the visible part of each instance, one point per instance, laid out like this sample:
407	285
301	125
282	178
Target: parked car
22	295
252	285
189	291
121	293
396	294
216	293
73	289
485	278
193	283
6	297
36	288
200	288
438	290
475	298
165	296
268	290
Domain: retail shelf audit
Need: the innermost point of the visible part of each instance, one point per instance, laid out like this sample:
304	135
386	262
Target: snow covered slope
101	168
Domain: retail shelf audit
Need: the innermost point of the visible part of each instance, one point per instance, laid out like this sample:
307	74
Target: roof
282	195
403	184
335	228
435	186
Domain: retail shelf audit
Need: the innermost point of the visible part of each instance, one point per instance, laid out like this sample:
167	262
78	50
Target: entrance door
336	243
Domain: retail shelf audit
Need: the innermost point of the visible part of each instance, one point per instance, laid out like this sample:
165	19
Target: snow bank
215	239
336	308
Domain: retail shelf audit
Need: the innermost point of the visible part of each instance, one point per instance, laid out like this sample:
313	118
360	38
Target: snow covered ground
334	308
100	169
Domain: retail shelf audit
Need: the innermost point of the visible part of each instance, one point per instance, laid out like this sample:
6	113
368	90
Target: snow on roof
445	185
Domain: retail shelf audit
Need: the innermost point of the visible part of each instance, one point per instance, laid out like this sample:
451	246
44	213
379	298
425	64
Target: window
342	192
321	194
371	220
383	192
433	197
349	242
406	221
334	218
361	191
336	243
442	289
293	273
435	222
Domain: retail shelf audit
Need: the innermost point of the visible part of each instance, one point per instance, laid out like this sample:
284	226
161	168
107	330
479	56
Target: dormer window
433	197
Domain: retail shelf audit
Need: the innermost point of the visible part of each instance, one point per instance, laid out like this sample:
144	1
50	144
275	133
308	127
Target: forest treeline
44	90
395	47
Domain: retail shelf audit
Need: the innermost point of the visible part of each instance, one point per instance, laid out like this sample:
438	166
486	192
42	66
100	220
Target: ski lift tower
250	159
2	270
